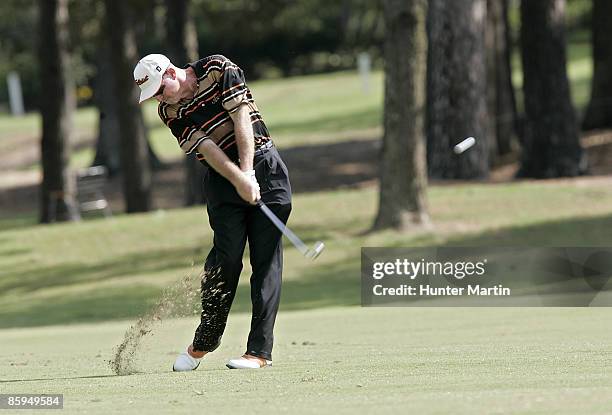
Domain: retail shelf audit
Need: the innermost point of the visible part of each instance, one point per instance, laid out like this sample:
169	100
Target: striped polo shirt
221	90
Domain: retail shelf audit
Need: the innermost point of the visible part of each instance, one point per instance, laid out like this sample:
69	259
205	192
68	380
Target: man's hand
248	188
245	182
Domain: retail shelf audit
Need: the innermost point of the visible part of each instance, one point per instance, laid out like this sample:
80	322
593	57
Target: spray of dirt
178	300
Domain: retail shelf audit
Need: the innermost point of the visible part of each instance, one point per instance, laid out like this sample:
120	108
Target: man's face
168	92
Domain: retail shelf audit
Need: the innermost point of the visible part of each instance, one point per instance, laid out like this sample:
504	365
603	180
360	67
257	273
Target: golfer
211	112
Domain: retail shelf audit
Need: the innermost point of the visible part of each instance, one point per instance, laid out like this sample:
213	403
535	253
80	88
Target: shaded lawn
108	269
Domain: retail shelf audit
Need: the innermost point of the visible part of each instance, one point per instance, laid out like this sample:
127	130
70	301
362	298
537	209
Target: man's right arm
218	160
190	139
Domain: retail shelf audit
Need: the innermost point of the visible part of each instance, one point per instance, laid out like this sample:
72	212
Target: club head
315	251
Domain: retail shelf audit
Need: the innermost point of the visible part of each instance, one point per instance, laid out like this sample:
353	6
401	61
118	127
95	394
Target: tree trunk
403	177
107	145
57	106
599	111
182	46
551	146
500	94
135	166
456	96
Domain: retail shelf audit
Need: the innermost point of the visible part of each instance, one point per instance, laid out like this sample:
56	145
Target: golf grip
283	228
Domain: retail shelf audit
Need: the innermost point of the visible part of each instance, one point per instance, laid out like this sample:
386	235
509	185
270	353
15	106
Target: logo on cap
158	68
142	80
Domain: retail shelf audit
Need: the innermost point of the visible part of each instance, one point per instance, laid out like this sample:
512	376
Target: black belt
262	149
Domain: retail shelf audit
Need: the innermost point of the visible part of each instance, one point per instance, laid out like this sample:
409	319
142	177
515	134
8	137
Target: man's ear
171	72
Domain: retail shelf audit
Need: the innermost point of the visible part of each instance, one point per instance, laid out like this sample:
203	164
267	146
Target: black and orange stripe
221	90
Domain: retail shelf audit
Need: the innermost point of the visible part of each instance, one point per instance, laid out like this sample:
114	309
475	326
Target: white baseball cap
148	74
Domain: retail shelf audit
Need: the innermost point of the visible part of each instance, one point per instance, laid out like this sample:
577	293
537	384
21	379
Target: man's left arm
245	140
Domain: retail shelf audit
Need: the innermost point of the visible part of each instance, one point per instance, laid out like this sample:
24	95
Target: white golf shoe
248	363
185	362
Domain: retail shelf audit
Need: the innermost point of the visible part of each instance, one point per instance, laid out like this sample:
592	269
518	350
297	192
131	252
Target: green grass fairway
100	269
338	360
330	356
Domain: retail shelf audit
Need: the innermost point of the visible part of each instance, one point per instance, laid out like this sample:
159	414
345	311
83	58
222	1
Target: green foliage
578	14
18	42
295	37
85	24
267	38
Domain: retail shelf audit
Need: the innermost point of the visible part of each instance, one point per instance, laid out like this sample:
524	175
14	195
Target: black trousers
234	221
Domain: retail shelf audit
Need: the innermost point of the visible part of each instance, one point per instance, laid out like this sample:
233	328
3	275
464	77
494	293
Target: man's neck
188	81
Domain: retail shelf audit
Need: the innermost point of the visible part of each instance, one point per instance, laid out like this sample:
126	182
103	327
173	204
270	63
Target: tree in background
96	49
135	166
91	50
599	110
182	47
403	177
456	89
107	143
56	106
18	48
500	94
551	147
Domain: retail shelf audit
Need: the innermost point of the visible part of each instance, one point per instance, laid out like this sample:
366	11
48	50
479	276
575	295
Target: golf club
310	253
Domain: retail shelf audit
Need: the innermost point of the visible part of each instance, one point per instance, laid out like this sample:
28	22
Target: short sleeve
233	86
187	135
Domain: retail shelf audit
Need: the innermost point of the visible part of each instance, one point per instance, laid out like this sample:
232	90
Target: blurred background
365	100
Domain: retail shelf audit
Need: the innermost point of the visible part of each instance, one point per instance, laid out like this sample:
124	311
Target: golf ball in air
464	145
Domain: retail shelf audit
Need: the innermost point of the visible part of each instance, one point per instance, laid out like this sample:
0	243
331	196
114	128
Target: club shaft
284	229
